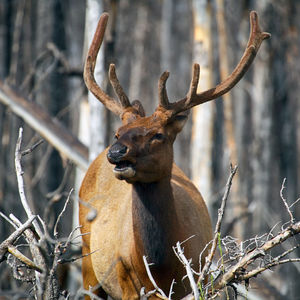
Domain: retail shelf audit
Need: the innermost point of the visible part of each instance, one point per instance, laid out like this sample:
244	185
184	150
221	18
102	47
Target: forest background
256	126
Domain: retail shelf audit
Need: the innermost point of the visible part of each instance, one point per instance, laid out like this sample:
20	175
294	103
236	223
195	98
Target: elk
144	202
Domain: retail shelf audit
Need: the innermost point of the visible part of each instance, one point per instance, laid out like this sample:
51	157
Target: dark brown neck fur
154	215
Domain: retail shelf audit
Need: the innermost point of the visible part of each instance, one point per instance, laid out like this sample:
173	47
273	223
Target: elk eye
116	137
158	137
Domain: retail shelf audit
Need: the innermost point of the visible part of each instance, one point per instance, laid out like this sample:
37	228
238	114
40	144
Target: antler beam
89	68
192	99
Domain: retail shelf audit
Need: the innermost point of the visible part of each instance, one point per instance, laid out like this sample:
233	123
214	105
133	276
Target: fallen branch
49	128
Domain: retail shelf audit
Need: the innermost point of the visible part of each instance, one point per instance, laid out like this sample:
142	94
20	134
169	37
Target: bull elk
144	202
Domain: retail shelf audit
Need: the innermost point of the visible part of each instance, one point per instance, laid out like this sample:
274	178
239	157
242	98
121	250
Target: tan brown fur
111	234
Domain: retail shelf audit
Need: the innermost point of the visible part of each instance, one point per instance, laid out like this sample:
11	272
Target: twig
171	289
152	279
20	256
285	253
19	173
68	260
41	169
285	202
218	227
259	270
187	264
16	234
36	255
32	148
202	252
92	214
294	202
57	193
234	271
87	293
61	213
8	220
70	239
58	55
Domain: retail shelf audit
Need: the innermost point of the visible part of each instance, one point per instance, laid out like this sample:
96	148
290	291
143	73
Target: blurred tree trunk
239	203
176	42
276	103
203	116
137	48
97	111
12	17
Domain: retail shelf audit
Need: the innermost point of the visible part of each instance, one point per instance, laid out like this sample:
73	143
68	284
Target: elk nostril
116	152
123	150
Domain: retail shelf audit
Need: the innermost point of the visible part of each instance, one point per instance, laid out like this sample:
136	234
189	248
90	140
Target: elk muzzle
116	155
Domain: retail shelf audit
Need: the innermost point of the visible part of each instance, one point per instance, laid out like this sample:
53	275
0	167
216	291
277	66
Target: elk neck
154	220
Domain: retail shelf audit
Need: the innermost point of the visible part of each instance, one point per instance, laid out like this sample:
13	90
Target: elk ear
131	113
139	107
179	121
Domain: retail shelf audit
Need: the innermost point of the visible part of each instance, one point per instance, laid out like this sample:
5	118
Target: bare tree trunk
203	116
237	18
176	43
137	49
239	204
9	123
97	124
276	142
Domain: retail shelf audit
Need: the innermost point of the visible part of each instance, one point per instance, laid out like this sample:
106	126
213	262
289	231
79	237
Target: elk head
143	150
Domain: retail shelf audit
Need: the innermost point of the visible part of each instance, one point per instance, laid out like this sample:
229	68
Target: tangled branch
46	251
239	261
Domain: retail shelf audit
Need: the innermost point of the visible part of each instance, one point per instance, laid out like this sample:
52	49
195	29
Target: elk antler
88	75
192	98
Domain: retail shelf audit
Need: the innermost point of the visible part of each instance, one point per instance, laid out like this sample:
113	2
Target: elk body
144	202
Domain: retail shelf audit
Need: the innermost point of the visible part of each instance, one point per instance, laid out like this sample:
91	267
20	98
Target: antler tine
194	84
162	91
89	68
117	87
255	39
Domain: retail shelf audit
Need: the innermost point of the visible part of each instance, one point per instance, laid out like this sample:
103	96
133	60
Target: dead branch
156	288
38	258
20	256
61	213
218	227
52	130
285	201
32	148
14	236
242	260
187	264
237	272
19	173
87	293
8	220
